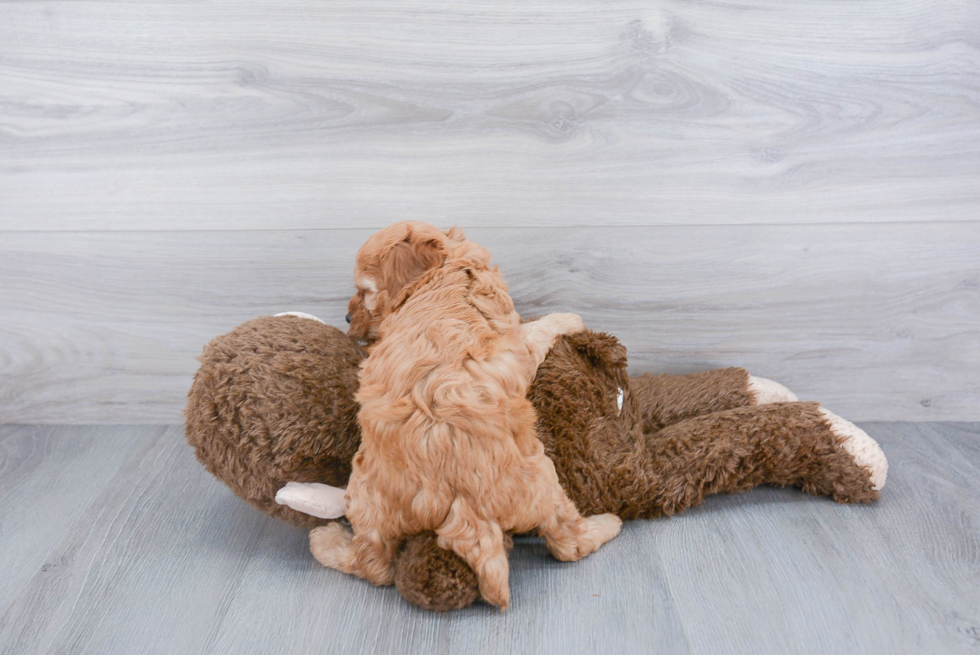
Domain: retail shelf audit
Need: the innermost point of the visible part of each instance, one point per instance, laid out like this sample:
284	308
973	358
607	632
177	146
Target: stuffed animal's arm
313	498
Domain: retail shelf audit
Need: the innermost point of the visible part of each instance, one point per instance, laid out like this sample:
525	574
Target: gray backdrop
790	187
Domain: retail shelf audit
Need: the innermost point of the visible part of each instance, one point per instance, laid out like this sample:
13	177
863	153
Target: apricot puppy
448	440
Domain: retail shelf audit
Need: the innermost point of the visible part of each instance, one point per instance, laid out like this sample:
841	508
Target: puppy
448	439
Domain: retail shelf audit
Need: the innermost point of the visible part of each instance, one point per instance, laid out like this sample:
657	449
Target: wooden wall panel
312	115
794	187
877	321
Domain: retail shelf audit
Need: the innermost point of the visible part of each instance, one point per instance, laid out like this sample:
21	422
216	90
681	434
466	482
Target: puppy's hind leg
481	545
571	537
366	555
331	546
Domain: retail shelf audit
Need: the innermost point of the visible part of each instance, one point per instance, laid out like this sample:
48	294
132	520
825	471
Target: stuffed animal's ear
603	350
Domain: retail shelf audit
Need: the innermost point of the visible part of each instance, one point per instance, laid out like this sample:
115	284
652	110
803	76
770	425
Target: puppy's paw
766	391
565	323
603	528
859	445
331	546
598	530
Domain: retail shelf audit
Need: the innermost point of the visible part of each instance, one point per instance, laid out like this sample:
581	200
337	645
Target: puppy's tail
481	544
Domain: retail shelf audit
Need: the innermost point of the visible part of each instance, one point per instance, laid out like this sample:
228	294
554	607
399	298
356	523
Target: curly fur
448	439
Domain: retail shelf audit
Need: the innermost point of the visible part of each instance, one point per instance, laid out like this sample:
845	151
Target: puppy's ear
407	261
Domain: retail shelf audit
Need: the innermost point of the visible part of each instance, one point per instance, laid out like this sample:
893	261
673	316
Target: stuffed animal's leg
859	444
367	555
540	335
667	399
794	444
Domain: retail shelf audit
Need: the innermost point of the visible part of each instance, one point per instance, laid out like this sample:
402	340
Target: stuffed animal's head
273	402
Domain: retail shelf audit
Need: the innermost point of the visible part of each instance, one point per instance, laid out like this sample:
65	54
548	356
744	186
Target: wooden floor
115	540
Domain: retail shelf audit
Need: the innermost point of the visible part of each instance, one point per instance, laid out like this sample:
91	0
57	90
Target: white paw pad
766	391
865	450
313	498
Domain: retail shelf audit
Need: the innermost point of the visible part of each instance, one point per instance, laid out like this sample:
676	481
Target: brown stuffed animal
273	403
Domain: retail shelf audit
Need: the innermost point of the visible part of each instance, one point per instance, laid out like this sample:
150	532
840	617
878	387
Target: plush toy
271	410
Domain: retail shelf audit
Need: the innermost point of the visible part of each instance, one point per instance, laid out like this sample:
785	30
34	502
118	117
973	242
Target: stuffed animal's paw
540	335
313	498
766	391
565	323
865	450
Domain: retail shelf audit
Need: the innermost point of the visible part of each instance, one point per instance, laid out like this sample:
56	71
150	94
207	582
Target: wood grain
304	115
110	590
876	321
163	559
45	481
792	187
833	570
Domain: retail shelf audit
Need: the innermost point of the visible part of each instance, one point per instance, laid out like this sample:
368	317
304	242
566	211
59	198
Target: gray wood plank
932	535
876	321
146	567
47	476
166	560
299	114
901	576
560	608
